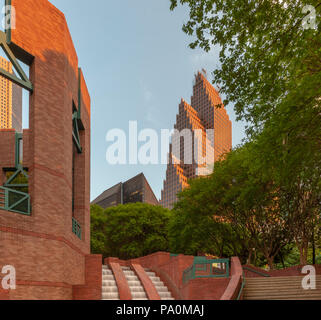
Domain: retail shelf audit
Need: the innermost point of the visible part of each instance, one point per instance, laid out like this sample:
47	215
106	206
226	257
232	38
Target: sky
138	66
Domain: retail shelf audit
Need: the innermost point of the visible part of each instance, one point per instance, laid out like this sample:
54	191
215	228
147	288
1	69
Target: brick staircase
162	290
110	290
280	288
136	289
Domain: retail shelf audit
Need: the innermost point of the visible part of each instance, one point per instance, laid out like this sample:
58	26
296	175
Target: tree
270	67
98	240
236	208
134	230
269	49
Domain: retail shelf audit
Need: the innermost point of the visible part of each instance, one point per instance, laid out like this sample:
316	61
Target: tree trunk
313	249
304	253
249	259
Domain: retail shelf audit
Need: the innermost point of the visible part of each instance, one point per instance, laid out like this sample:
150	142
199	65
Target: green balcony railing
76	228
207	268
15	201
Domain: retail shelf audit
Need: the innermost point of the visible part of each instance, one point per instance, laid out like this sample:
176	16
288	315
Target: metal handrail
76	228
242	287
202	264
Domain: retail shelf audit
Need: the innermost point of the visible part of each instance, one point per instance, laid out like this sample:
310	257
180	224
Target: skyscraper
204	134
10	100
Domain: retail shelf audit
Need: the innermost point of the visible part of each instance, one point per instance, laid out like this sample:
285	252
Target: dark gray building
136	189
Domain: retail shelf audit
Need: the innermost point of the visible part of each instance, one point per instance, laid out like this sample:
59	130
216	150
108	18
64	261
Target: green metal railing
173	255
76	228
15	201
207	268
242	287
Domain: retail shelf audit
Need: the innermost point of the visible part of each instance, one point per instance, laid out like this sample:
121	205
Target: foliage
270	67
266	52
132	230
98	239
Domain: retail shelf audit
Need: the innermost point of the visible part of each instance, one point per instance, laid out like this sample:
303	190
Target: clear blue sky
137	66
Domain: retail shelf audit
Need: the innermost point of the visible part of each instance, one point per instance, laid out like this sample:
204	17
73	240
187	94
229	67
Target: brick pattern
170	270
45	250
122	284
93	280
147	283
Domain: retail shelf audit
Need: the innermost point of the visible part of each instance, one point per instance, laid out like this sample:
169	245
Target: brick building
136	189
211	137
45	190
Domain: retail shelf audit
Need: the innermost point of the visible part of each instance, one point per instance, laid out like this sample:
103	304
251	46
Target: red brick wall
49	259
170	270
93	275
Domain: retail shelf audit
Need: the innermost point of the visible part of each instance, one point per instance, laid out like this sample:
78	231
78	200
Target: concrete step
107	271
137	289
108	277
133	283
107	283
110	295
110	289
155	279
128	272
161	289
158	283
131	278
165	294
138	295
126	268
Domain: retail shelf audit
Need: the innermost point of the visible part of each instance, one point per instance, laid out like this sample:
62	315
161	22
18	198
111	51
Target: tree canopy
130	231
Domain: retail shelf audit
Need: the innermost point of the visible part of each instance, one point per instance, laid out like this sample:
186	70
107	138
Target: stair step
110	295
155	279
108	283
165	294
161	289
110	289
133	283
137	289
158	283
138	295
131	278
129	272
107	272
126	268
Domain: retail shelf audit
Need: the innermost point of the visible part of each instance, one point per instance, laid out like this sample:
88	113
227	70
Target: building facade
10	100
136	189
45	229
203	135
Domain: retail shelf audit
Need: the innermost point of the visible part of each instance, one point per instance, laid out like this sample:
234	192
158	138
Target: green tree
270	67
135	230
98	239
266	54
